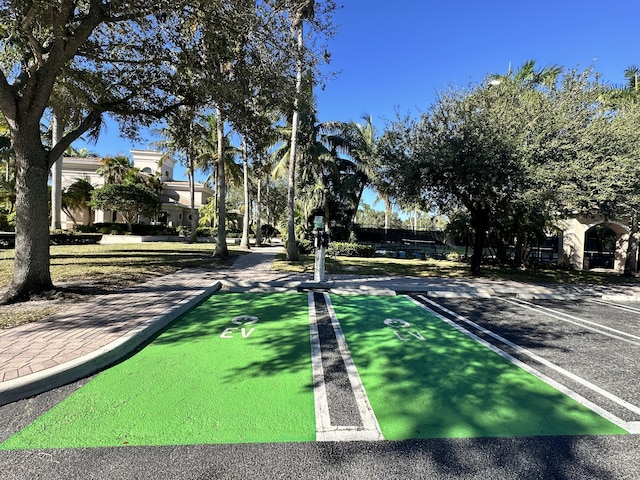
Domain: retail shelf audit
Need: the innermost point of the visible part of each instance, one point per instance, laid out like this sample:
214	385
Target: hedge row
344	249
116	228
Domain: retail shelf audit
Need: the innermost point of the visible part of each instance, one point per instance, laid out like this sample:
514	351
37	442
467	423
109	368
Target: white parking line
631	427
581	322
370	430
626	308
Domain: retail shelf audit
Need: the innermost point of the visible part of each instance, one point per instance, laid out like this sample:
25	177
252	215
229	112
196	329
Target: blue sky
396	55
399	54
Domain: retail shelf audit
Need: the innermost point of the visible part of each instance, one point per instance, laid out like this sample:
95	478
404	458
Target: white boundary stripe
325	432
625	308
323	422
631	427
370	429
617	334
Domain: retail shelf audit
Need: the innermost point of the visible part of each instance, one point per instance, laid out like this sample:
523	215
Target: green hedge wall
344	249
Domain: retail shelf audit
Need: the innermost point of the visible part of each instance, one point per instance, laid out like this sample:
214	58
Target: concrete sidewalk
92	335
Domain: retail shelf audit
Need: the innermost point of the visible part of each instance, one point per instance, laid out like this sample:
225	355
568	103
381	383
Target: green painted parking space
235	369
425	379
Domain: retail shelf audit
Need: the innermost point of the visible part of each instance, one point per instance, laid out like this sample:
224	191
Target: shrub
268	231
116	228
85	228
304	246
345	249
74	239
7	222
111	228
206	232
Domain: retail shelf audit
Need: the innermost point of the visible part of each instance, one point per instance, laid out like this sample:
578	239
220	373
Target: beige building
175	196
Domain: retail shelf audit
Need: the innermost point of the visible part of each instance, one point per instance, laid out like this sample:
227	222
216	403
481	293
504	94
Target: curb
44	380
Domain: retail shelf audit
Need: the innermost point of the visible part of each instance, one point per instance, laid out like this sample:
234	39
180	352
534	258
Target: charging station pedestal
320	242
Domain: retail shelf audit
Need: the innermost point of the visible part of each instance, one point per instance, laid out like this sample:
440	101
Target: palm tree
632	74
76	197
360	142
179	141
81	152
114	169
300	11
384	194
209	141
528	76
318	174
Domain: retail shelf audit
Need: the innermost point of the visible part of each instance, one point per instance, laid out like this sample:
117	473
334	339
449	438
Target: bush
116	228
344	249
305	246
111	228
74	239
206	232
269	231
7	222
85	228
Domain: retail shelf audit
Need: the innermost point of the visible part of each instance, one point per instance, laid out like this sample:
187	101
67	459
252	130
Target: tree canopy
513	152
137	61
128	199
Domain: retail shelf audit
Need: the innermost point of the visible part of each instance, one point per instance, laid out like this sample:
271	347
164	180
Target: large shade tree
114	56
136	60
513	153
469	150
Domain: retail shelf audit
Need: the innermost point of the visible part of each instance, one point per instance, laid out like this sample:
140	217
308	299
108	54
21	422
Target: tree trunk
327	210
193	235
31	272
292	247
258	213
631	262
387	214
244	241
56	177
480	223
221	240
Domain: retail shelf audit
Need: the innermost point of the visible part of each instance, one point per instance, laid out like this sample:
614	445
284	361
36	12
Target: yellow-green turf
197	383
449	385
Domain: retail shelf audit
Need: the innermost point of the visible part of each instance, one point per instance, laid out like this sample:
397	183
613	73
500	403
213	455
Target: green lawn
121	264
446	268
94	269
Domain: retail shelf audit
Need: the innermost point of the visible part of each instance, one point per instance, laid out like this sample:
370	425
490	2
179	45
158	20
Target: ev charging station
320	242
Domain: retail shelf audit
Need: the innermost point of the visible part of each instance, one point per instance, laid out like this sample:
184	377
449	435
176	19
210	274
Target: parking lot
378	374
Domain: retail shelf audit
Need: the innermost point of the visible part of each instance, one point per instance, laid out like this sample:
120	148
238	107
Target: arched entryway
605	246
588	242
600	245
